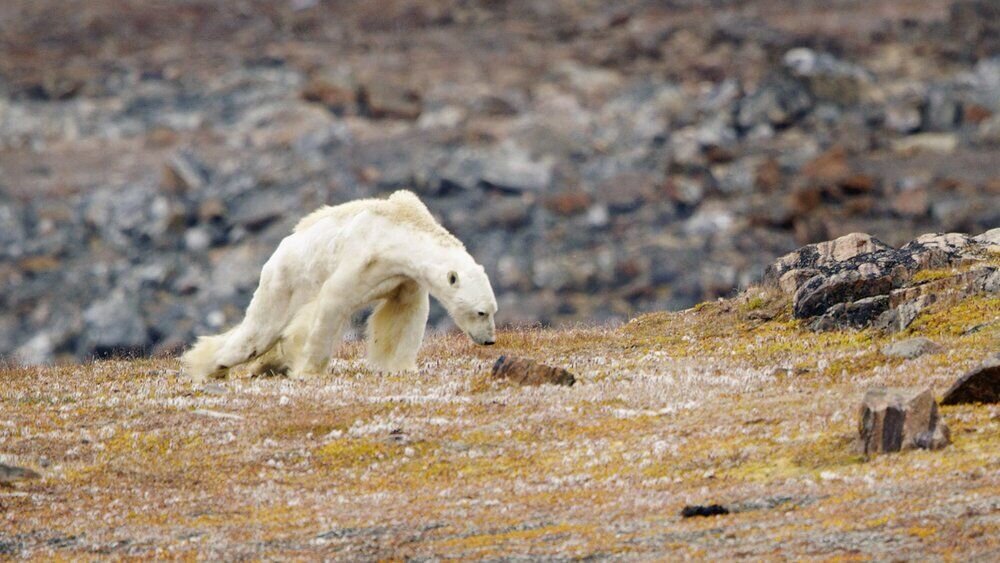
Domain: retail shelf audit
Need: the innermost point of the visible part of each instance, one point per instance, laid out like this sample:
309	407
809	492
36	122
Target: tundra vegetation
733	402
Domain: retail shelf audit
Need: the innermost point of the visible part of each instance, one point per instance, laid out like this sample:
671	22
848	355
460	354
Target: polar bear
337	260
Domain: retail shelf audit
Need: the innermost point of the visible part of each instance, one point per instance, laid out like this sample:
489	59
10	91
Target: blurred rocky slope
600	159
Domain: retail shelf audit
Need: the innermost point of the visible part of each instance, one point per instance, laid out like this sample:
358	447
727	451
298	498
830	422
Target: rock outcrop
858	281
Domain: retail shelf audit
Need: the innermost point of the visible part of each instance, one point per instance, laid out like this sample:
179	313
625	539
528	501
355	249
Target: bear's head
465	292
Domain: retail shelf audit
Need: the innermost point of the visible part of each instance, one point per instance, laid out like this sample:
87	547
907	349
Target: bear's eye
481	313
452	278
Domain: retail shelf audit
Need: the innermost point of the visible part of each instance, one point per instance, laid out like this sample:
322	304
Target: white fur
340	259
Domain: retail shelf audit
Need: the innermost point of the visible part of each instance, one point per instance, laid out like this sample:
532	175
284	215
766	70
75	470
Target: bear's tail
199	362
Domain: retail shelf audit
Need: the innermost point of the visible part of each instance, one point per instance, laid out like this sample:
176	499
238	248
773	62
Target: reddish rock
859	184
830	167
911	203
975	114
568	202
769	176
529	372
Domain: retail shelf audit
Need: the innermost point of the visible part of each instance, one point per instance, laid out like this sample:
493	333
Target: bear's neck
424	259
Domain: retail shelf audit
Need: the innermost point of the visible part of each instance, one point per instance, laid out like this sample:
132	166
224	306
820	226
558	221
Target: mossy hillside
728	402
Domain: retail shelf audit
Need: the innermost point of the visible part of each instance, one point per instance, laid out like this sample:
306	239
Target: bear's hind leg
266	315
396	328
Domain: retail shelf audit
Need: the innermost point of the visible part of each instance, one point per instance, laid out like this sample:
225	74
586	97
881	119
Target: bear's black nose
490	342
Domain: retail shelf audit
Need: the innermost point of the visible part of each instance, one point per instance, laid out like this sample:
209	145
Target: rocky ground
750	403
601	159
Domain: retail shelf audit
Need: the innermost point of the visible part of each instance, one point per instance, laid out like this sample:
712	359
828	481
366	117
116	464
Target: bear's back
402	207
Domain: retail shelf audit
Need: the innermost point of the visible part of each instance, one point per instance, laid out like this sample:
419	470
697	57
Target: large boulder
893	420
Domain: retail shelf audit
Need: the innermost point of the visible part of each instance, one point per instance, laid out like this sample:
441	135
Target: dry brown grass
716	404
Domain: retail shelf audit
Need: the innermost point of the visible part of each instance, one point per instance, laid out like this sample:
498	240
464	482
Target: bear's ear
453	278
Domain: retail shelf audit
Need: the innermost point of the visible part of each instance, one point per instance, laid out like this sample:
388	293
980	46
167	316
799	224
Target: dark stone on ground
10	474
529	372
980	385
691	511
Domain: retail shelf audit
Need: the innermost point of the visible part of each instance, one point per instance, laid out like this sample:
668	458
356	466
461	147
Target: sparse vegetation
706	405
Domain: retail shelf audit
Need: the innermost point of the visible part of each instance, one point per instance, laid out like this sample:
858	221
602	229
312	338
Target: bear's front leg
332	311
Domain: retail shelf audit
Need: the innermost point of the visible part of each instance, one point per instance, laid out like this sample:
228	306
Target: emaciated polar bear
338	260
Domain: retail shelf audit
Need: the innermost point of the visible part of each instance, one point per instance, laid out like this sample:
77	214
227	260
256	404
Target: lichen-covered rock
529	372
854	314
856	280
821	293
980	385
893	420
823	255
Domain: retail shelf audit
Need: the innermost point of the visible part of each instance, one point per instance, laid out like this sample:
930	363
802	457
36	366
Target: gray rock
780	100
507	167
943	110
13	234
512	168
893	420
261	208
903	116
829	78
821	293
114	326
854	314
979	385
912	348
39	349
184	172
902	315
10	474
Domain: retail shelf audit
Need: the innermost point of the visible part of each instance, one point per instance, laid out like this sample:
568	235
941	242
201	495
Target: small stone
183	172
384	100
980	385
529	372
943	143
934	439
693	510
903	117
568	202
10	474
334	88
897	419
911	348
626	191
